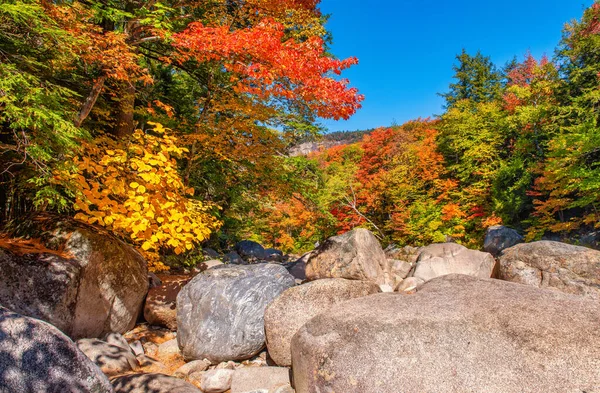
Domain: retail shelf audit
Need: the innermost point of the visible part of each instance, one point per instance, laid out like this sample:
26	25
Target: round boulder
456	334
499	238
250	250
554	265
220	312
79	278
296	306
355	255
35	357
440	259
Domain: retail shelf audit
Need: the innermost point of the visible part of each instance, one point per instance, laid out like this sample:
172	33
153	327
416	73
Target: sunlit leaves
135	190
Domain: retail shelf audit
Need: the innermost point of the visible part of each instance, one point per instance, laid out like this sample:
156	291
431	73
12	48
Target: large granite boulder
456	334
79	278
220	312
160	308
440	259
35	357
355	255
499	237
555	265
296	306
152	383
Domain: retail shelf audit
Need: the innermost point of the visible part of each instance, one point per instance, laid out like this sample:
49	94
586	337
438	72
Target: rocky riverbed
79	313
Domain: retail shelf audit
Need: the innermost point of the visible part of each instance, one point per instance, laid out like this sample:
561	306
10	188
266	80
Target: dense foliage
159	120
518	145
169	123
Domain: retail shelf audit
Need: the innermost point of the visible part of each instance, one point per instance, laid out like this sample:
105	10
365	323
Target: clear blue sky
406	48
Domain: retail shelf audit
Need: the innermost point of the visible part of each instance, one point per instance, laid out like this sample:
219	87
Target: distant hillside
326	141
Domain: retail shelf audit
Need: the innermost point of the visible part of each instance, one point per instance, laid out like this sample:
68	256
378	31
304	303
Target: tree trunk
90	101
124	113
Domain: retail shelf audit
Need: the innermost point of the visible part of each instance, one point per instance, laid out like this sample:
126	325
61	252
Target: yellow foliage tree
136	191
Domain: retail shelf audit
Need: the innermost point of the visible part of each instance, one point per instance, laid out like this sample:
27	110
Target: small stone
137	348
216	381
150	348
230	365
168	348
410	284
192	367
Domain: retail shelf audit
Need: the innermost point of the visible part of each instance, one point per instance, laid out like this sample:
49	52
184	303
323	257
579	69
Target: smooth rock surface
399	270
355	255
252	379
168	348
410	284
220	313
250	251
273	255
216	381
456	334
297	305
152	383
554	265
191	367
86	282
440	259
499	238
111	359
160	308
35	357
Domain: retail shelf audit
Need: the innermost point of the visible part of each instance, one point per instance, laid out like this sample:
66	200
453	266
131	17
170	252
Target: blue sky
406	48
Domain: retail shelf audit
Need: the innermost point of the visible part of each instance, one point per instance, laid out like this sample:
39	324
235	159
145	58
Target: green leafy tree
477	79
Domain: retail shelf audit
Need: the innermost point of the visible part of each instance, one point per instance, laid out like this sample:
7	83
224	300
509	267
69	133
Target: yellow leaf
146	246
134	185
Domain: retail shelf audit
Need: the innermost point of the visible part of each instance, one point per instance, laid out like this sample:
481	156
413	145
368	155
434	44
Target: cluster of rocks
346	317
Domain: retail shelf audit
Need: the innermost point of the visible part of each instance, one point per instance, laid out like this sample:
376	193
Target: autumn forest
171	124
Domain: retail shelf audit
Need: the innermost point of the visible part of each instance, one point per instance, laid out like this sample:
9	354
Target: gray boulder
456	334
296	306
250	251
440	259
554	265
355	255
111	359
35	357
259	379
220	312
152	383
85	282
499	237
